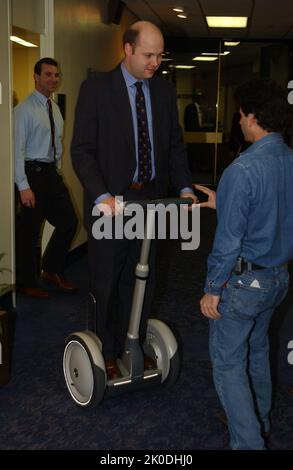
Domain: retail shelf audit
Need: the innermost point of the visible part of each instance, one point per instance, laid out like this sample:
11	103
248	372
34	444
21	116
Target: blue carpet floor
36	411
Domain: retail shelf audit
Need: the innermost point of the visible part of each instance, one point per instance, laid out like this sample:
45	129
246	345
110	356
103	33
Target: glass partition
205	88
247	60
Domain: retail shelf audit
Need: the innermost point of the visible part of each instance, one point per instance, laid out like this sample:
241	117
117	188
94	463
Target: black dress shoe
34	292
113	371
58	281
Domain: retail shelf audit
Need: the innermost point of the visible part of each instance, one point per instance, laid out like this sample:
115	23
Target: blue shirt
255	211
32	134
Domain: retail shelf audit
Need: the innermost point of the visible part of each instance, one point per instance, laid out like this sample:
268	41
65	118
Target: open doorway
23	59
25	53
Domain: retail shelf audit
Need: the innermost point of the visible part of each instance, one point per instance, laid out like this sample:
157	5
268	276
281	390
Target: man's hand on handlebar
191	196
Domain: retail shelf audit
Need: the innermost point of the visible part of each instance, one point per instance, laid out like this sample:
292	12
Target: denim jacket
254	211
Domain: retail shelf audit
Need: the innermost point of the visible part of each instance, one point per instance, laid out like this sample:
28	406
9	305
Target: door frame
7	230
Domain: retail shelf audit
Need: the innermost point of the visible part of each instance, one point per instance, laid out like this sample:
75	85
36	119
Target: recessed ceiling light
184	66
165	71
231	43
22	41
178	10
166	59
227	21
182	16
205	59
216	53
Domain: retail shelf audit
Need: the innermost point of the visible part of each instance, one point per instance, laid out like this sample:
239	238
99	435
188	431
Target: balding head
132	34
143	47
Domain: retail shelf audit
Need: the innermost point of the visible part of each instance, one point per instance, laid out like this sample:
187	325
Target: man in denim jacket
247	272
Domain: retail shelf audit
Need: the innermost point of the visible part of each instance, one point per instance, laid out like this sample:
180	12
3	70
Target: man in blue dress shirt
38	126
247	269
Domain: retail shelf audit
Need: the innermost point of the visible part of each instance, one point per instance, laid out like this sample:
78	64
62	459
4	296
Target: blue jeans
239	351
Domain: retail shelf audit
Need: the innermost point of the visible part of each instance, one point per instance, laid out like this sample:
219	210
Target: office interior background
85	37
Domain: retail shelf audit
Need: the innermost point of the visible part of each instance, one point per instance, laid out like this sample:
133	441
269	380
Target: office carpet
36	411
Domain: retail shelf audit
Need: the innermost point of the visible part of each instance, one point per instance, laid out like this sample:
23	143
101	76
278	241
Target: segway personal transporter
83	362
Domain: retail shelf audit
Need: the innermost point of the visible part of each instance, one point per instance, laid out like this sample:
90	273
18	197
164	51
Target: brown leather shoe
34	292
58	281
113	371
149	363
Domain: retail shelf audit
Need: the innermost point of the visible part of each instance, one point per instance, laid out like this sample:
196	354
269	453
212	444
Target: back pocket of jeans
248	296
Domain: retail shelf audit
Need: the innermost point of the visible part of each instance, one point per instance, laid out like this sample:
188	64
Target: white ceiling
270	19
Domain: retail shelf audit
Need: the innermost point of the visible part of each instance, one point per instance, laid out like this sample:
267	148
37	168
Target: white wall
29	14
6	167
82	41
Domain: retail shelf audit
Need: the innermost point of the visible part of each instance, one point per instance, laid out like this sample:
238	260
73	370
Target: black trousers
53	204
112	266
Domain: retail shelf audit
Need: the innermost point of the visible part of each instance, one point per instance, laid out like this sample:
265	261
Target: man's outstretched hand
211	202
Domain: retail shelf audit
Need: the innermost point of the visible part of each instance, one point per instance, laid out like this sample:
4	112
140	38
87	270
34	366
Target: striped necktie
52	124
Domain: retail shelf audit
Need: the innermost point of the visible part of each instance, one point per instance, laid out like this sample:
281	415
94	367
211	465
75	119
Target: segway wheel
84	368
161	344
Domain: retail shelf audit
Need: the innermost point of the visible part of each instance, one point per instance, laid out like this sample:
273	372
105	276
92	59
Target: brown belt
137	185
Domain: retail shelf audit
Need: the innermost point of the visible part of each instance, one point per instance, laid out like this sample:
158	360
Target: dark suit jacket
103	144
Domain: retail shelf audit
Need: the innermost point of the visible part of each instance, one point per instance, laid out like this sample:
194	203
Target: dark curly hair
267	101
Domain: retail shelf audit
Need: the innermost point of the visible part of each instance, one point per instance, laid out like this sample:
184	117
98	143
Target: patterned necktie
52	124
144	143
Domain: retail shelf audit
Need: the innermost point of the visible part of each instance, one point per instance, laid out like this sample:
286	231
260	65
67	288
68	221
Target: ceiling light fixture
231	43
216	53
22	42
178	9
184	66
205	59
227	21
182	16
